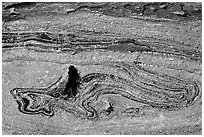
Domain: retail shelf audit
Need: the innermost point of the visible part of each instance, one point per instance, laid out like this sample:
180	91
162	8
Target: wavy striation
69	42
159	91
132	67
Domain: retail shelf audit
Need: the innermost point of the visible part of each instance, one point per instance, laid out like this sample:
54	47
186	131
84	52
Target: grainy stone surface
101	68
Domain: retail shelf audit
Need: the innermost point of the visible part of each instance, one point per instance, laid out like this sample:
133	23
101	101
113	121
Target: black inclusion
72	84
110	109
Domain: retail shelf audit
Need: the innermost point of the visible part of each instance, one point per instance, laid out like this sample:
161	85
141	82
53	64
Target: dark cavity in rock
72	84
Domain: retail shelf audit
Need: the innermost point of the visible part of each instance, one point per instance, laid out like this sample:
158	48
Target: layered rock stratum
101	68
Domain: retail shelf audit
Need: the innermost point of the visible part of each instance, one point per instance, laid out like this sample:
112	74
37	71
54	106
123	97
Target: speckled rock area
104	68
